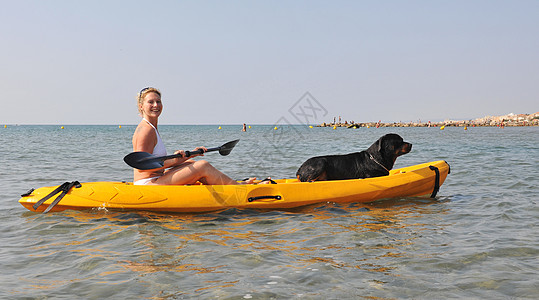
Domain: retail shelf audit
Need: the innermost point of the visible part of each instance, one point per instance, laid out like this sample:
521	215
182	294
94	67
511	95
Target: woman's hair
143	93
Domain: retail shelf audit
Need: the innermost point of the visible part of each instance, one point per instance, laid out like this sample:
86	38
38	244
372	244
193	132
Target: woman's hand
204	149
183	153
179	160
180	152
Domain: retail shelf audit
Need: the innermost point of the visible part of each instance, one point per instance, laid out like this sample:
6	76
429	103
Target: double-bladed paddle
146	161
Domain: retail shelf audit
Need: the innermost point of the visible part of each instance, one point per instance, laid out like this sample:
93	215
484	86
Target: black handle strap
30	191
436	181
251	199
54	192
64	188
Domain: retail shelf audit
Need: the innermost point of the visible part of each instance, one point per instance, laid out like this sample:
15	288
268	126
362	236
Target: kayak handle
436	181
251	199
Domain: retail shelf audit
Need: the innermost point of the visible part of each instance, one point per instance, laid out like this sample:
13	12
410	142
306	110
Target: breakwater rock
499	121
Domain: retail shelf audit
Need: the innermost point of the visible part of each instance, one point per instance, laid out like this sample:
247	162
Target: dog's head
391	146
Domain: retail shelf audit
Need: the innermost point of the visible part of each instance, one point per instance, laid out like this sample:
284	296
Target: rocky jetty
495	121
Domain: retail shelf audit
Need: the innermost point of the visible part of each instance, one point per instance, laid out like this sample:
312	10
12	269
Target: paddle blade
143	161
225	149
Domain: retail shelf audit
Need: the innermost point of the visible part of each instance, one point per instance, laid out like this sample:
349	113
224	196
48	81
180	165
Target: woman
175	171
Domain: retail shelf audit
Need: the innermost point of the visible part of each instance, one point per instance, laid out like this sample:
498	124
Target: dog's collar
373	159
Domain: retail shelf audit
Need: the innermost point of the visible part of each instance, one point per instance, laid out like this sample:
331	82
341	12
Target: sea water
477	239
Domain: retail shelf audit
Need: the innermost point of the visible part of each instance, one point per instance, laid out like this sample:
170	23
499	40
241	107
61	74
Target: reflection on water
229	248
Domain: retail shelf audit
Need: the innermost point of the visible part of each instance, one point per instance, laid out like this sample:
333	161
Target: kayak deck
418	180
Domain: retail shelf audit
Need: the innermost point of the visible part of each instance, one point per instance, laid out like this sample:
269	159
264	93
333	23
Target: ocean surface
477	239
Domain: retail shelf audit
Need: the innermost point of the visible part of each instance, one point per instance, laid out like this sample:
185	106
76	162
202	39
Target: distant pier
510	120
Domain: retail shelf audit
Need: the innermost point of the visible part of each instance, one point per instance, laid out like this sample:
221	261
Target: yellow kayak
418	180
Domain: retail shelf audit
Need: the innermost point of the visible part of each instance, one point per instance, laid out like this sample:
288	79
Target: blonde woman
180	170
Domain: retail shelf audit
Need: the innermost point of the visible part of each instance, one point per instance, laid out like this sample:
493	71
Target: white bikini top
159	148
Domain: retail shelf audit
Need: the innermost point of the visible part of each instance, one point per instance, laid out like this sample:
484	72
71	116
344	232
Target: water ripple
478	239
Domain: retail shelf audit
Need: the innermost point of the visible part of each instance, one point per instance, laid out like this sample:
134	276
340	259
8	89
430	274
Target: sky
260	62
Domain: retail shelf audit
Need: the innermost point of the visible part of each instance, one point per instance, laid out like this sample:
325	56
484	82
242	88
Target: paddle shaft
186	154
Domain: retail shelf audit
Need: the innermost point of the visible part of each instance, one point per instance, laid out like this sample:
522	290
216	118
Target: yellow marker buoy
334	127
120	126
310	126
275	128
465	127
62	127
249	126
5	126
442	128
219	127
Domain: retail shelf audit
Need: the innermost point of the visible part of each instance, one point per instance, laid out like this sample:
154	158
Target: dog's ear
386	143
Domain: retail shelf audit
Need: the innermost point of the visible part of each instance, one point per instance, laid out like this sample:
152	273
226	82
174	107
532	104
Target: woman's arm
145	139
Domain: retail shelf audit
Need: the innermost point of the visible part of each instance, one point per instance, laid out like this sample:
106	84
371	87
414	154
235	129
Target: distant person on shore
178	171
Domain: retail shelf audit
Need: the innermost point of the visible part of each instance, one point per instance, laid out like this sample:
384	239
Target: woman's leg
192	171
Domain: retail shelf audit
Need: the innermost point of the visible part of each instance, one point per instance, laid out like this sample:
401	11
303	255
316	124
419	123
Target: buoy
442	128
5	126
249	126
219	127
334	127
310	126
275	128
120	126
465	127
62	127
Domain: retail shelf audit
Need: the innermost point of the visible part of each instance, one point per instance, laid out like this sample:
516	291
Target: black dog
373	162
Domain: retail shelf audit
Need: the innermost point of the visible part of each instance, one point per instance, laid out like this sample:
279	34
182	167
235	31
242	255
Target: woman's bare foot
250	180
